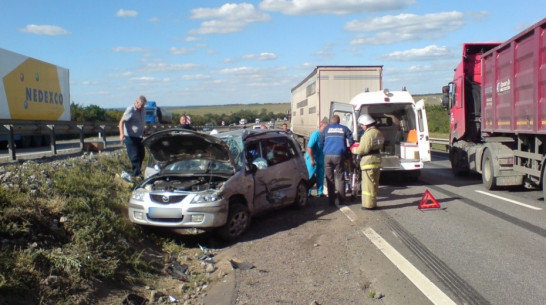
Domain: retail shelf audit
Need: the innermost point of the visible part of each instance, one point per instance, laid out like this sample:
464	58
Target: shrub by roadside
65	234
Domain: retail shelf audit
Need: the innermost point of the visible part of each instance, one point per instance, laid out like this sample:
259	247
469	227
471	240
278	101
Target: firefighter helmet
366	119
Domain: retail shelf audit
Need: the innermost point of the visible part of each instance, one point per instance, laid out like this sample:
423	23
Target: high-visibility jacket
369	148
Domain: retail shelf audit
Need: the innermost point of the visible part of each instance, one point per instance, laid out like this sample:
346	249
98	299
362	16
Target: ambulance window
420	116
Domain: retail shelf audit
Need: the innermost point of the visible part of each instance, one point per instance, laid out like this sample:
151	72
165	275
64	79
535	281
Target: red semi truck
497	106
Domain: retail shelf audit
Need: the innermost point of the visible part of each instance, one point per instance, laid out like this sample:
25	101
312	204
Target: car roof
249	133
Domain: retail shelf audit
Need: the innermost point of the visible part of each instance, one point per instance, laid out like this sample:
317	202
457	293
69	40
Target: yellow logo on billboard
34	92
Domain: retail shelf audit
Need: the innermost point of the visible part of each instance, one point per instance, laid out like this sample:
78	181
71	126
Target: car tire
301	201
237	222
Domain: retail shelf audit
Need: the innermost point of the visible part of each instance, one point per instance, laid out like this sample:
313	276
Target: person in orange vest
369	148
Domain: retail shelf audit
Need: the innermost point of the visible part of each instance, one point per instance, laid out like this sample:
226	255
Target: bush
64	230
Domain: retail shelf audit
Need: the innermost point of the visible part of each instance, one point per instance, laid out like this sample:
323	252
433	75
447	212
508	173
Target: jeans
135	151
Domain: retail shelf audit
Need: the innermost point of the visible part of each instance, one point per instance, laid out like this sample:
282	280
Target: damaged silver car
205	182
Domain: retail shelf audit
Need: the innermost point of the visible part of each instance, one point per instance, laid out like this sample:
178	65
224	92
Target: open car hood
177	144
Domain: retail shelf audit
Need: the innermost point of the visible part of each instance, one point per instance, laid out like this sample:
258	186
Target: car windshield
236	148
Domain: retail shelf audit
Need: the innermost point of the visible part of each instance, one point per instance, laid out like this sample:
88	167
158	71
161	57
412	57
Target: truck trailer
312	96
157	115
497	107
32	90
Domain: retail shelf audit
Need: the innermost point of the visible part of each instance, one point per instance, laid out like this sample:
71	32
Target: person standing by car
314	159
286	129
185	122
336	139
369	148
131	131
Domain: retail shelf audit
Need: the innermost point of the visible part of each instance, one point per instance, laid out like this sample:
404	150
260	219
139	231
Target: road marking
431	291
511	201
349	213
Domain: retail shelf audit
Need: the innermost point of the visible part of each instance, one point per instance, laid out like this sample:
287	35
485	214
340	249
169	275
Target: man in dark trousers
337	139
131	131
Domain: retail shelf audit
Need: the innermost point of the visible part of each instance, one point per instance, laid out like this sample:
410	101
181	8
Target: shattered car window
236	147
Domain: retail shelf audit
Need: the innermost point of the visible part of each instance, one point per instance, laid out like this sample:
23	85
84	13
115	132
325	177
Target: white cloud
405	27
50	30
180	51
169	67
228	18
191	38
338	7
261	56
478	16
126	13
238	70
427	53
195	77
129	49
326	53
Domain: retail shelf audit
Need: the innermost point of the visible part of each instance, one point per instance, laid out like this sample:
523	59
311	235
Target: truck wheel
459	164
488	171
237	223
301	196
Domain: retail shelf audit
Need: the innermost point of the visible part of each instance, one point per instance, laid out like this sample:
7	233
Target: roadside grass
64	232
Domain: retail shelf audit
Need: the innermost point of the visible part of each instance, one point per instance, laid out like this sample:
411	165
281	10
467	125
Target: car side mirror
445	97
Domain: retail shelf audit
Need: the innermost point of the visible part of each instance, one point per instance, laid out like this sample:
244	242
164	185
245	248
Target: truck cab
402	121
151	112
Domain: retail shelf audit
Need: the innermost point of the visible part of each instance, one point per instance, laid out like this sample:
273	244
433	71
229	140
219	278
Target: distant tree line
438	119
94	113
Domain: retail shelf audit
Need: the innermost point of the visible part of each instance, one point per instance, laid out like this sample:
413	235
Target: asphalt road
479	247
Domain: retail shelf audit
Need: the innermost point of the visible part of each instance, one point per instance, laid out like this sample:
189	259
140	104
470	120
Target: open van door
346	114
422	131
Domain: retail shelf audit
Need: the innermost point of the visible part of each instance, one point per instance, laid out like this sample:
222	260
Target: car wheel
237	223
301	196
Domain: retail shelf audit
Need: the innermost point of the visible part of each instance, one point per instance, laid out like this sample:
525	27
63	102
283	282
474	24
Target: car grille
166	199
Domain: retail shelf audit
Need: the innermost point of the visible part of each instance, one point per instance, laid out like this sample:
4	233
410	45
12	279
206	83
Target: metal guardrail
439	141
52	129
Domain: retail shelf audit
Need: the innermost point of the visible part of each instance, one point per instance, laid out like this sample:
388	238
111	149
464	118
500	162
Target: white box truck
311	98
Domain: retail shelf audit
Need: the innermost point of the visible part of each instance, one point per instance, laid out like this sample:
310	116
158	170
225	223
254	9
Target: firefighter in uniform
369	148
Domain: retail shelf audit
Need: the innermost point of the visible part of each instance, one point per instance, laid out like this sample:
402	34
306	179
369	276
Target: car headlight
138	195
207	196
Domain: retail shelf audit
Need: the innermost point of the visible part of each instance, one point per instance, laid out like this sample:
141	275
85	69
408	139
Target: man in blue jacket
337	139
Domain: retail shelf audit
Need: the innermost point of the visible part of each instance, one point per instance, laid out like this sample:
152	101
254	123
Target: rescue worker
369	148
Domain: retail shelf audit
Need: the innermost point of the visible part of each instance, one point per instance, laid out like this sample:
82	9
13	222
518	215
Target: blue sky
194	52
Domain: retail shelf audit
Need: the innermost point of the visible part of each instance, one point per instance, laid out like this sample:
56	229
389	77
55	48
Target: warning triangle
424	203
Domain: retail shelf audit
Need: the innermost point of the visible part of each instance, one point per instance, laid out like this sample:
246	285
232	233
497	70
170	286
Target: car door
422	131
273	184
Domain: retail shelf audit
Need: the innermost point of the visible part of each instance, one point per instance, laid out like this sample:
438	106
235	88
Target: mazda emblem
165	198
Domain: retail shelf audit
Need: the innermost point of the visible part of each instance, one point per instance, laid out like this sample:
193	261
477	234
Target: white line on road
511	201
431	291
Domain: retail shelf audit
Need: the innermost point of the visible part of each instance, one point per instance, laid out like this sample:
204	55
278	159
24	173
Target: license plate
164	213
